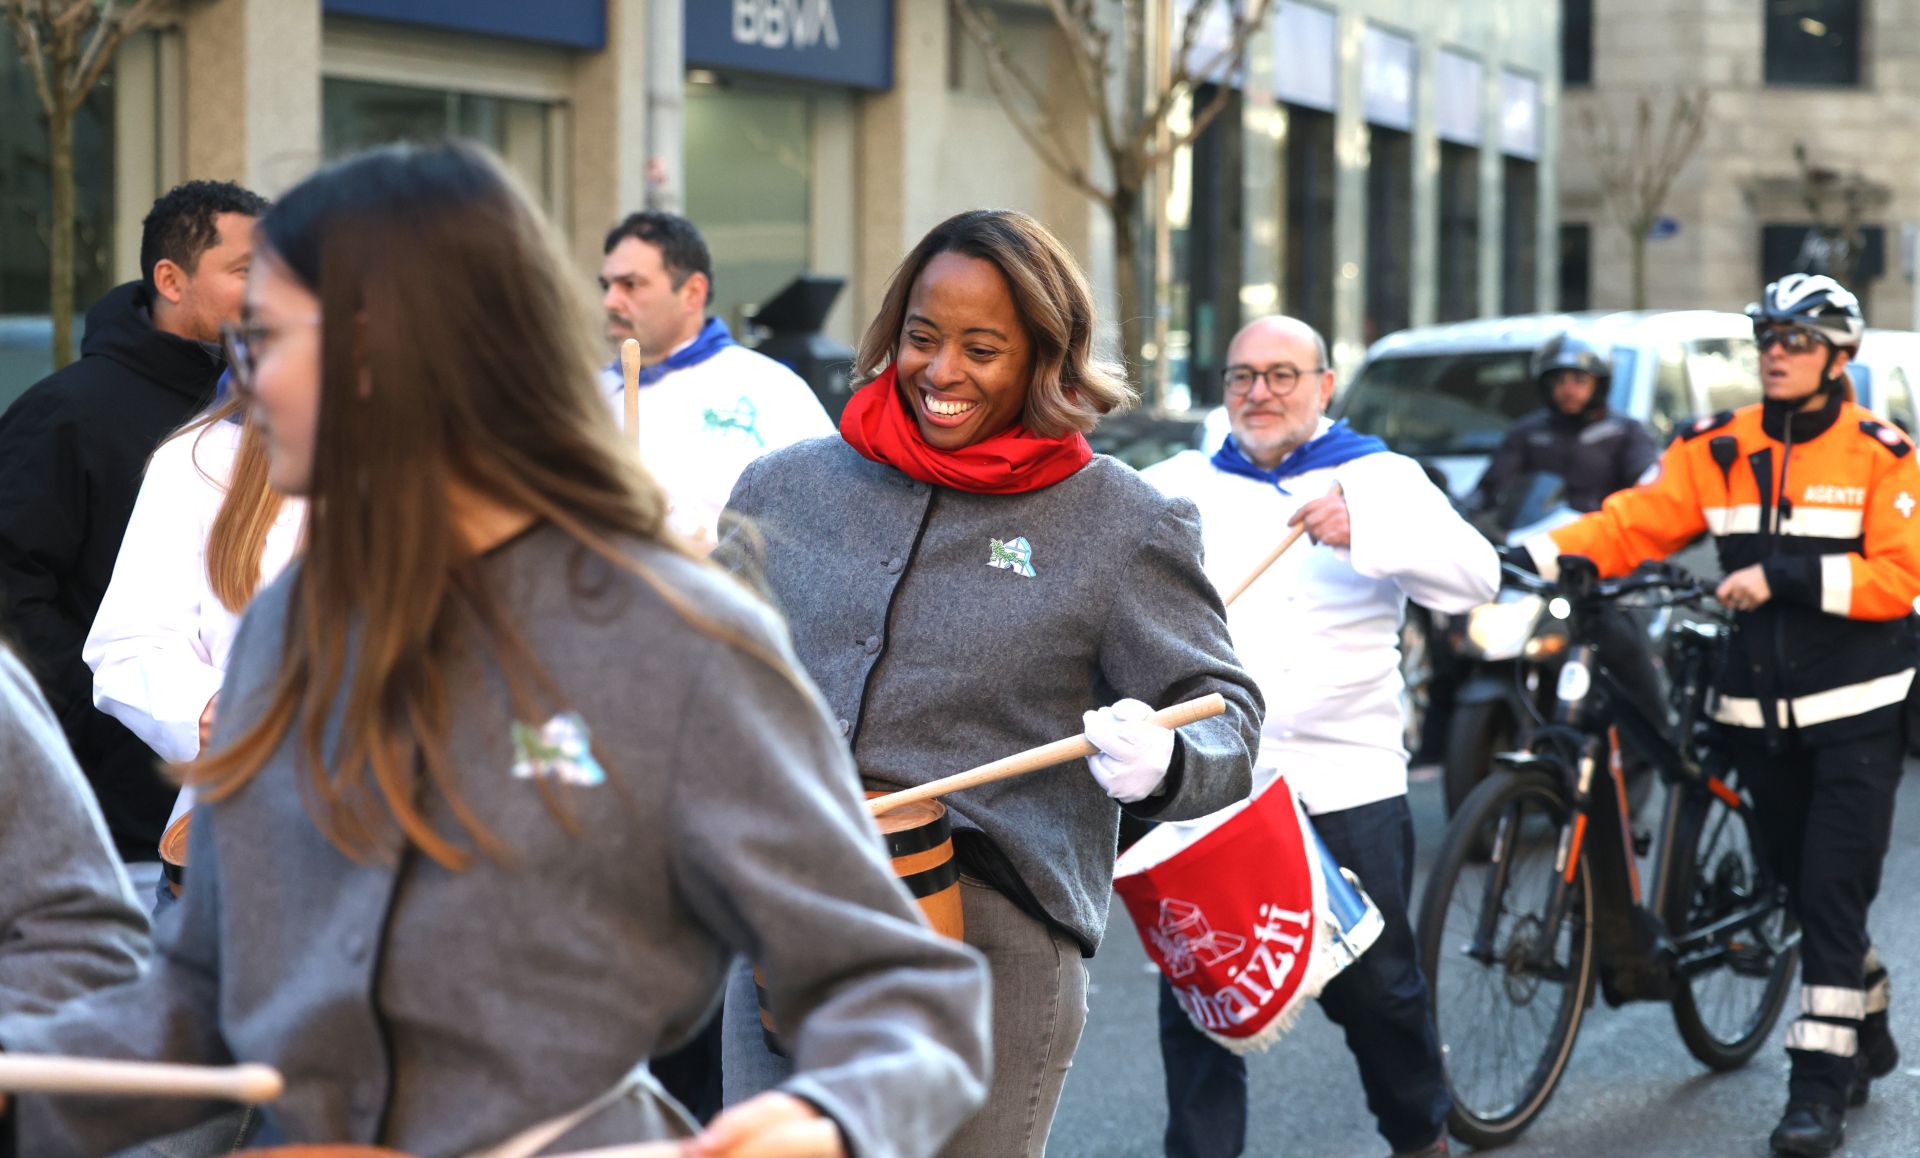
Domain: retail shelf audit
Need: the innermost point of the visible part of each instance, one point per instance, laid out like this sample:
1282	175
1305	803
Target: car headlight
1501	630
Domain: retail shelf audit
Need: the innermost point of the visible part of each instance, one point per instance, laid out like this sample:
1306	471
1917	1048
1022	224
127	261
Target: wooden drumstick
1045	756
630	378
1269	561
250	1084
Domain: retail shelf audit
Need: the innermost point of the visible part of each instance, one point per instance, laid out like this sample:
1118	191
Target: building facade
1808	159
802	135
1386	163
1382	163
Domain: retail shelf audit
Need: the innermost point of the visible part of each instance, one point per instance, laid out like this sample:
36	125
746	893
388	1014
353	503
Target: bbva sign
799	24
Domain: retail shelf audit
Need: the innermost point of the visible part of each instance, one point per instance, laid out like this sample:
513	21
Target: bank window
1204	215
359	114
751	199
1312	174
1576	42
1519	226
1459	271
1576	246
1813	42
1389	233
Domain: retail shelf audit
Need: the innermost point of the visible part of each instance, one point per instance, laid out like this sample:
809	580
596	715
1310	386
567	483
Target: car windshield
1441	403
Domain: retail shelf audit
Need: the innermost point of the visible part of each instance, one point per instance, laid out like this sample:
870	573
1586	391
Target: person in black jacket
1573	435
72	451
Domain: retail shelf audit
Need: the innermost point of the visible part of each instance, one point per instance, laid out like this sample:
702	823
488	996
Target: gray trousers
1039	1009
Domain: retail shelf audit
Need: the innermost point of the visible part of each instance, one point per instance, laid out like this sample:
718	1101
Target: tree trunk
1638	252
1136	322
60	243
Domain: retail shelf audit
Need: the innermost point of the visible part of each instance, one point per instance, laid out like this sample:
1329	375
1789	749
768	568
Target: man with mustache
708	406
1320	633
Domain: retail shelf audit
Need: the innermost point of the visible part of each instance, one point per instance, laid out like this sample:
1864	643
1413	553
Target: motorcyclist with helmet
1574	434
1594	451
1811	503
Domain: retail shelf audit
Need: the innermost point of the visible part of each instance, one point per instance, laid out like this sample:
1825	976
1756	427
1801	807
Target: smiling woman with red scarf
965	578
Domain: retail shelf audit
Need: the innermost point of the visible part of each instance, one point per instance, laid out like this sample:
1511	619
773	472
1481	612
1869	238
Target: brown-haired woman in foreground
501	777
966	579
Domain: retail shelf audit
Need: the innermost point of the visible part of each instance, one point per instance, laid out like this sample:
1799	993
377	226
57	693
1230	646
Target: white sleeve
150	668
785	411
797	413
1404	529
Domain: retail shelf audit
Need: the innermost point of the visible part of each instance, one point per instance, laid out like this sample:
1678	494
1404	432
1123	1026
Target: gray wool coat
933	659
68	920
715	813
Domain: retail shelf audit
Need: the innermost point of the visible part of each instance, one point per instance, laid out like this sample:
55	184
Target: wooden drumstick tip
254	1083
630	361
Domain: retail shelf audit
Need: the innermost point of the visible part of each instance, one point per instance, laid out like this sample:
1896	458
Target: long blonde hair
442	288
1071	388
249	506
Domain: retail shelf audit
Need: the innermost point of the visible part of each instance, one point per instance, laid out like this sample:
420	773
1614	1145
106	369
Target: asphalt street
1631	1088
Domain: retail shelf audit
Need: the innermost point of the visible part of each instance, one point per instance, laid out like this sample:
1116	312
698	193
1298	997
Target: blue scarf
1338	445
714	337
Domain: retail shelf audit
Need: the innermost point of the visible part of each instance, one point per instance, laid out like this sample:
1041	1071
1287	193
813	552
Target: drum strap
536	1138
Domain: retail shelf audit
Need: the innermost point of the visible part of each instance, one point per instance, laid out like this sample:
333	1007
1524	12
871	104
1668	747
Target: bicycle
1536	899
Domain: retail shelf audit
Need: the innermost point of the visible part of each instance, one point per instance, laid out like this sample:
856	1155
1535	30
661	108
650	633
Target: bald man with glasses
1320	633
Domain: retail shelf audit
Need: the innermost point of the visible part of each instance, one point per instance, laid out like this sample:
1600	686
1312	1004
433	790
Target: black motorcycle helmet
1573	351
1813	301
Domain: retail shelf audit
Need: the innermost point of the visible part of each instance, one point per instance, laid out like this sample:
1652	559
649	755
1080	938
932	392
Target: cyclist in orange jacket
1811	502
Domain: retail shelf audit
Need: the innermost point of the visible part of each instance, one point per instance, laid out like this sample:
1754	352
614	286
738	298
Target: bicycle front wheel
1734	983
1508	990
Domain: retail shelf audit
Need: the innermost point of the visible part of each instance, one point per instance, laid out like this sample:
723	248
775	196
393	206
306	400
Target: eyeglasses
245	342
1792	339
1281	380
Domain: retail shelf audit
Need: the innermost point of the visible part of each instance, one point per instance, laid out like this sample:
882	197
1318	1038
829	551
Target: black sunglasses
1792	339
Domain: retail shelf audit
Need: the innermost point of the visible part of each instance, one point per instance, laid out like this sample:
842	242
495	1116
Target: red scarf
1016	460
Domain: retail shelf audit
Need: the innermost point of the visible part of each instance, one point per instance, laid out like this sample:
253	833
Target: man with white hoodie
1320	633
707	406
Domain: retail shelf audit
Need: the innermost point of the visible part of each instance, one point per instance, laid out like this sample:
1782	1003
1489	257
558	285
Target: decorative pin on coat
558	751
1015	555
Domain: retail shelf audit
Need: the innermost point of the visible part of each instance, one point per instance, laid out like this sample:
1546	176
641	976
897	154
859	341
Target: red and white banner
1234	909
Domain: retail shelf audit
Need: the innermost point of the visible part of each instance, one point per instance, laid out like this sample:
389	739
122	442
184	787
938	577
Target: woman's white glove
1134	754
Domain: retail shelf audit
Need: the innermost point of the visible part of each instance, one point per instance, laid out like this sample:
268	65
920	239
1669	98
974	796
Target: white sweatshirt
158	647
701	426
1320	631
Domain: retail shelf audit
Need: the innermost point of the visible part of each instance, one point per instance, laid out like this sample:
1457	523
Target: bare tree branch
1638	164
1129	97
1088	44
1041	132
108	36
27	37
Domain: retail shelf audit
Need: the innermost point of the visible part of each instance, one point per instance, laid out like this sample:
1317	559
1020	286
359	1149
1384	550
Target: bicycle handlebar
1684	586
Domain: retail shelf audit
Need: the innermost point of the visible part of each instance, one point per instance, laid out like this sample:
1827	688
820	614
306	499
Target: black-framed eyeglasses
243	342
1281	380
1792	339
